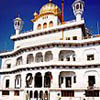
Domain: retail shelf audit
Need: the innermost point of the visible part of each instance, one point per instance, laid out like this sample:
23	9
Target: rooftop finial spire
18	15
50	1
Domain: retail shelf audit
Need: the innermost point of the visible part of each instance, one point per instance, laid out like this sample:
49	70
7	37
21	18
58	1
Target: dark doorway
91	80
68	81
38	80
47	79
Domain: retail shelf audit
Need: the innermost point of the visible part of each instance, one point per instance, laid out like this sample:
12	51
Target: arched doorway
66	79
29	79
41	95
36	95
38	80
47	79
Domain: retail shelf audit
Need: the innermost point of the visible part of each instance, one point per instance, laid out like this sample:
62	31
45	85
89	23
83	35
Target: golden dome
50	8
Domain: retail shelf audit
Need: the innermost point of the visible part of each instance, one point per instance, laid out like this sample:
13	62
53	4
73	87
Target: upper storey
48	26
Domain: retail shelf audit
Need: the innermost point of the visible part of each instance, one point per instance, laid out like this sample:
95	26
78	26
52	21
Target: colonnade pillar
55	54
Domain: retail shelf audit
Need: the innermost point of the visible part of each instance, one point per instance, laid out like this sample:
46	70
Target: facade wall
53	36
51	72
79	87
46	19
80	55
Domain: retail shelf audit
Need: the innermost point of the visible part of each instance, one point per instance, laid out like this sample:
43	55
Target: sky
9	9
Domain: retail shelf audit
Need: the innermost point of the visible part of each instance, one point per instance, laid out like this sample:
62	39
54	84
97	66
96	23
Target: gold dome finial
50	1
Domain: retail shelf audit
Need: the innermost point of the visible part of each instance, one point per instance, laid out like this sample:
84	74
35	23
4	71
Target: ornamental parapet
68	25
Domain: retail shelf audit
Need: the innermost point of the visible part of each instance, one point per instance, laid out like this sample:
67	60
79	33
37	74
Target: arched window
48	56
47	79
51	24
66	55
29	79
77	6
39	27
7	83
44	25
36	94
46	95
31	94
18	23
7	64
30	59
18	81
38	80
19	61
67	76
39	57
41	94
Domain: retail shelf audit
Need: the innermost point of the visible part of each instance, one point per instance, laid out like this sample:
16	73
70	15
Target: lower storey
49	94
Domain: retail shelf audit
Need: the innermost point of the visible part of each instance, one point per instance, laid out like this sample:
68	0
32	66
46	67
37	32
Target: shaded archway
46	95
51	24
47	79
44	25
36	95
38	80
48	56
29	79
31	94
39	27
18	81
41	95
66	55
39	57
65	79
19	61
30	59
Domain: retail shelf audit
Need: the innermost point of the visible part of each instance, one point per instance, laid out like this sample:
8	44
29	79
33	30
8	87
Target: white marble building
57	60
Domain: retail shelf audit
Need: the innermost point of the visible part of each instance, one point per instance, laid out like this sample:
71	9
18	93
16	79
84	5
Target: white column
12	81
24	59
71	58
23	76
13	64
64	82
78	17
55	53
43	54
33	81
17	32
55	81
43	80
34	57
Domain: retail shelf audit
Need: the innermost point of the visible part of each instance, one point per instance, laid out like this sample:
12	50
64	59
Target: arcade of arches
65	80
63	55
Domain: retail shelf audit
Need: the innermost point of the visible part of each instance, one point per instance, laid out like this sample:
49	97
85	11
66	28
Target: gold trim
49	13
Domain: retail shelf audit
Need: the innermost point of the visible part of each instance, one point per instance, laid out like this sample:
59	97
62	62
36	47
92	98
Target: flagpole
62	17
98	28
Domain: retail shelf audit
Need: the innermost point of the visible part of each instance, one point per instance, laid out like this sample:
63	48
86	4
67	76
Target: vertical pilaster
55	54
43	80
55	82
